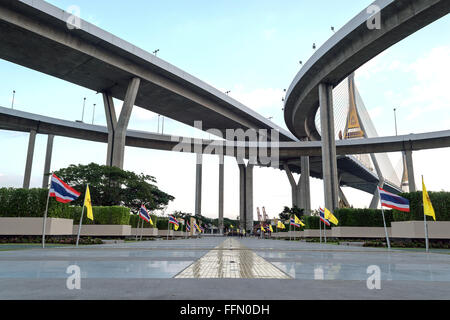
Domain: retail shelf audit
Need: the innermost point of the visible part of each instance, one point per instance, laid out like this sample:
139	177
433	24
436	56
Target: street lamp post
12	102
82	114
395	121
158	122
93	113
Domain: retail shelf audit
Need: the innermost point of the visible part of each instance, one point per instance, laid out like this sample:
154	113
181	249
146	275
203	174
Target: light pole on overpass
395	121
93	113
82	114
12	102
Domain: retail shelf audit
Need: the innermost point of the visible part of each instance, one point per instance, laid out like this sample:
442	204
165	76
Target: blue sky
251	48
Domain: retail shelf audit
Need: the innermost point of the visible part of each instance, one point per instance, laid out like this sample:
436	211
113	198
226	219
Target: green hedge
134	219
103	215
30	203
440	201
351	217
312	222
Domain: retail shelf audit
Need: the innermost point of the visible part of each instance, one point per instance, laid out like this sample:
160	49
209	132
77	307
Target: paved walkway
196	268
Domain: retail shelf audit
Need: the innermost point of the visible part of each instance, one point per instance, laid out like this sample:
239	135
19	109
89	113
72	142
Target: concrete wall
179	234
103	230
415	229
33	226
163	233
315	233
146	232
296	234
359	232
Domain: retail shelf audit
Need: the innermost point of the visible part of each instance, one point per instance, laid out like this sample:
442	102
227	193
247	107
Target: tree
113	186
287	212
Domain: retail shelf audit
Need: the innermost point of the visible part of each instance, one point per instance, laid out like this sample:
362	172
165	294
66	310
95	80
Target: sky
252	49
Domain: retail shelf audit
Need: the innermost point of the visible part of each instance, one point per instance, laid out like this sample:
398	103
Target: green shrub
312	222
30	203
115	215
440	201
351	217
134	219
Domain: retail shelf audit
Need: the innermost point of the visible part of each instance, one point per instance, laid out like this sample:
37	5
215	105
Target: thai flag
143	213
197	227
188	226
61	191
293	223
322	217
393	201
173	220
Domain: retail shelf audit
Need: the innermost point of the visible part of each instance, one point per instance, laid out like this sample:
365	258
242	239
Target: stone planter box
284	235
163	233
97	230
315	233
359	232
33	226
146	232
415	229
179	234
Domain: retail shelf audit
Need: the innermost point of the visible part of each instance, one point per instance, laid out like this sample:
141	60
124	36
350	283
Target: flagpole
290	234
426	231
168	228
325	230
81	219
45	216
384	221
142	229
137	226
320	229
425	221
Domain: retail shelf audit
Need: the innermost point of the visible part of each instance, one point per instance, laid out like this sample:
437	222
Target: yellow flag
231	226
262	228
330	217
297	220
175	227
150	220
427	206
281	225
88	204
270	227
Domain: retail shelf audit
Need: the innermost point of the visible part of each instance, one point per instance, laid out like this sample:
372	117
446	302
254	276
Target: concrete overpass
352	173
349	48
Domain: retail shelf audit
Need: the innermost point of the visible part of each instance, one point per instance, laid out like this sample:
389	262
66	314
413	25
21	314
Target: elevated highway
352	172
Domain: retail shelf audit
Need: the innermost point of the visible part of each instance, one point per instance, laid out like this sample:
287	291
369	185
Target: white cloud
258	99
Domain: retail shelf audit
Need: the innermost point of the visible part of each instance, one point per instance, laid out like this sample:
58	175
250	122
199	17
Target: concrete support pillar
29	163
249	197
198	184
242	197
410	169
48	161
305	192
343	197
111	123
120	132
329	163
294	186
245	196
221	183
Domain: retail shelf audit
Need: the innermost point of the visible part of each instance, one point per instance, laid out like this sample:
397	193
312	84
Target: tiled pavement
231	259
223	268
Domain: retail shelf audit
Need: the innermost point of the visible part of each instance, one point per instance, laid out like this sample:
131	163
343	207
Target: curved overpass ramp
35	34
348	49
